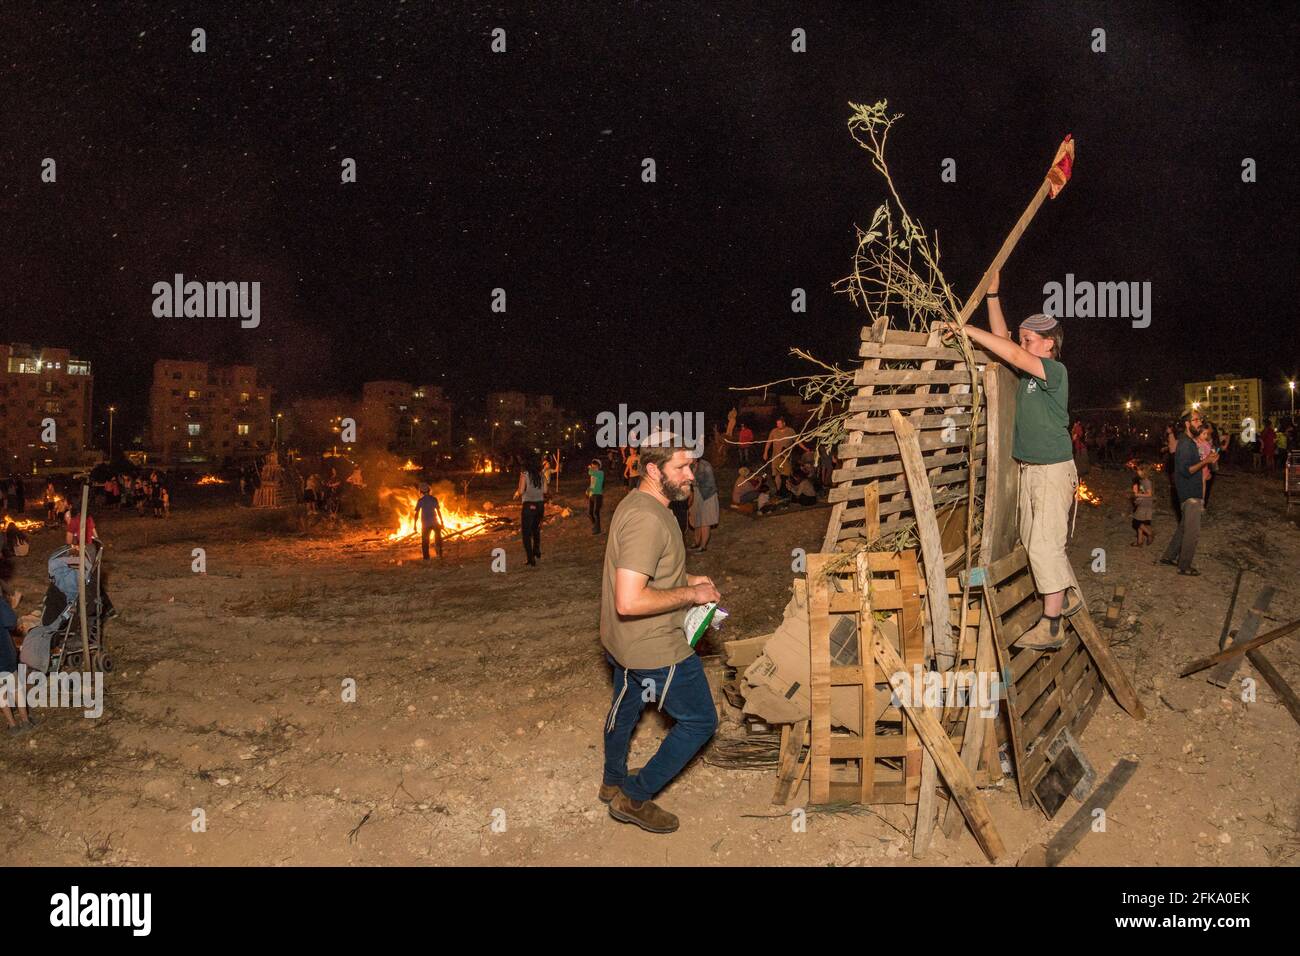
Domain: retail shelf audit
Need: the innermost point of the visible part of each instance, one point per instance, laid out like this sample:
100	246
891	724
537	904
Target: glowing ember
1085	494
410	466
22	524
455	518
212	480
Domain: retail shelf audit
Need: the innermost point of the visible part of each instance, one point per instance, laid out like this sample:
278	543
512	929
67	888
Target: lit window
194	393
242	429
194	428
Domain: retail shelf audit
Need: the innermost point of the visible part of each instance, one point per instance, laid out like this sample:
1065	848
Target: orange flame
410	466
455	516
22	524
212	480
1085	494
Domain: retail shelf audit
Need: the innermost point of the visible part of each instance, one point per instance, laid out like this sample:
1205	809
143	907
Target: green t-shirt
597	481
1042	417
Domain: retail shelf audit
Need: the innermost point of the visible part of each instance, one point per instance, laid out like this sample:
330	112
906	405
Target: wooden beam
1221	676
1237	650
927	526
819	648
1107	666
972	744
958	779
1276	681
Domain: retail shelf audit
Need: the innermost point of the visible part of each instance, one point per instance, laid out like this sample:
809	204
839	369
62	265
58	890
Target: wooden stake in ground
958	779
82	566
1222	675
927	529
1290	700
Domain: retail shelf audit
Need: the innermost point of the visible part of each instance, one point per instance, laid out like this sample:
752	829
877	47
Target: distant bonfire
212	480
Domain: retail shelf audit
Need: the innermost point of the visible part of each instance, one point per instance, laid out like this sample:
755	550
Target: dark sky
522	170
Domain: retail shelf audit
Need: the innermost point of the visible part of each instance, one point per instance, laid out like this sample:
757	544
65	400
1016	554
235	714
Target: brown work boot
1039	637
607	790
646	814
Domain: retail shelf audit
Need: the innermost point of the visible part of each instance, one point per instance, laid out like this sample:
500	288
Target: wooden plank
911	642
1222	675
893	466
894	336
871	515
931	547
915	376
927	807
1002	474
918	353
819	647
868	403
792	741
853	492
1115	678
866	629
1081	823
886	446
1238	649
1284	691
905	505
977	726
1012	711
880	424
959	781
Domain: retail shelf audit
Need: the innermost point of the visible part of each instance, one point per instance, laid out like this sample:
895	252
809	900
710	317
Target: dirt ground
480	698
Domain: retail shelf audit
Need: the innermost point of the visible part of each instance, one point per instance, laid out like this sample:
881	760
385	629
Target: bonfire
212	480
1087	495
410	466
457	518
22	524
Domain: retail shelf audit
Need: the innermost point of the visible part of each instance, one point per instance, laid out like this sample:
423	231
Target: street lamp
112	410
494	435
278	416
1291	385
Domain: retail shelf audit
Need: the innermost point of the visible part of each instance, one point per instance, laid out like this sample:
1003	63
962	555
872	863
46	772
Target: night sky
522	170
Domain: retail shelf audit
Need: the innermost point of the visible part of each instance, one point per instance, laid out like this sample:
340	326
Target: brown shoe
607	790
1039	637
646	814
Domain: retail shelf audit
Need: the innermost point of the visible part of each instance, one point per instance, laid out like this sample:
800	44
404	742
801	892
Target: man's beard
676	491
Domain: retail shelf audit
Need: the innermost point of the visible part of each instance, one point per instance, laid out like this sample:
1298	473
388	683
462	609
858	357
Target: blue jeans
685	697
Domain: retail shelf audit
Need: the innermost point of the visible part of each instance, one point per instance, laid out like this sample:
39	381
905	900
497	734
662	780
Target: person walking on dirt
645	592
429	515
1043	448
531	492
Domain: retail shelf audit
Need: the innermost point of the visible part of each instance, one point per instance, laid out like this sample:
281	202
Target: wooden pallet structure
903	745
1048	692
930	384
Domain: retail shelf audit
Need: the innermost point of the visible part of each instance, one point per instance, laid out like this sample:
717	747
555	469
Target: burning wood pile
459	518
1087	495
212	480
25	525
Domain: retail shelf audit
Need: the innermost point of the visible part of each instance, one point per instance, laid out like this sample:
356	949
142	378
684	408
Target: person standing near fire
595	493
429	515
1045	453
645	593
532	494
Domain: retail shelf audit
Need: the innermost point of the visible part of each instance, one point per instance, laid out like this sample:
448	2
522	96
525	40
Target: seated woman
746	488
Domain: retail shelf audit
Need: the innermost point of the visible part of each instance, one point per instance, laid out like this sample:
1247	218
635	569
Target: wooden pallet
928	383
1047	691
893	750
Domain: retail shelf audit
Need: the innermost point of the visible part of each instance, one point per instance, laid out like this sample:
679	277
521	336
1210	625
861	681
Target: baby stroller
66	648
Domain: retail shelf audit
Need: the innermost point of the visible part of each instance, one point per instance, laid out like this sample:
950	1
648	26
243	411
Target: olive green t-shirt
1042	417
644	536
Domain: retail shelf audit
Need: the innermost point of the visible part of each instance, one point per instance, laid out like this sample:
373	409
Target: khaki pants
1046	507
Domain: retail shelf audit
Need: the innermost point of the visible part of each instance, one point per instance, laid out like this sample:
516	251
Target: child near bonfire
1143	504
